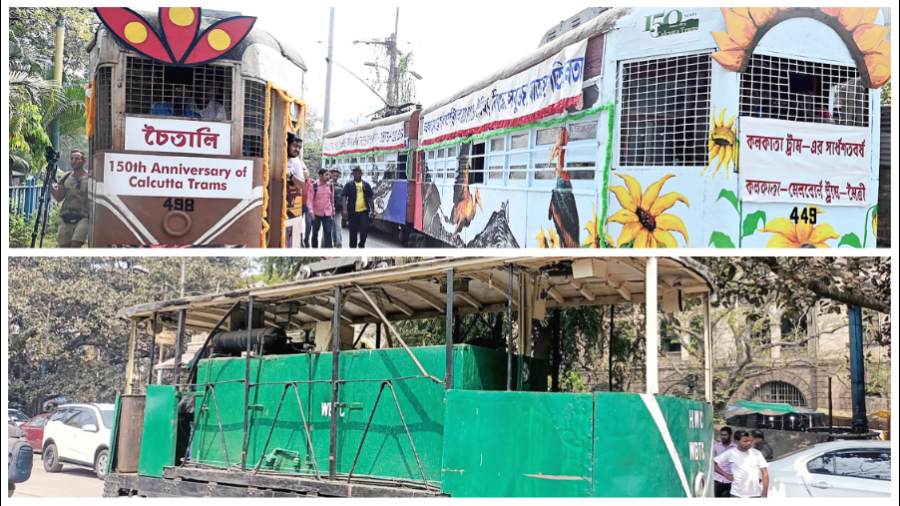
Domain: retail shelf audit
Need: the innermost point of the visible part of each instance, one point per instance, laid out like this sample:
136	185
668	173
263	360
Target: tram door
275	213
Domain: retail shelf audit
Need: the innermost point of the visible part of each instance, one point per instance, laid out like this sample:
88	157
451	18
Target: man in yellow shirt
358	195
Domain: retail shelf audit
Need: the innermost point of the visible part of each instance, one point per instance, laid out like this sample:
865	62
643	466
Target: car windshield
17	416
107	415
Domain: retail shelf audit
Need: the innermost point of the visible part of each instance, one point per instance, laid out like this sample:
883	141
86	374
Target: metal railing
24	199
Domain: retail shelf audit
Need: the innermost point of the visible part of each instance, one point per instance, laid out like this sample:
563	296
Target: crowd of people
741	463
324	203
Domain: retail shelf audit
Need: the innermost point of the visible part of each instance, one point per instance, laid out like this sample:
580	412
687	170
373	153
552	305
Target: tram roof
390	120
603	23
210	16
414	290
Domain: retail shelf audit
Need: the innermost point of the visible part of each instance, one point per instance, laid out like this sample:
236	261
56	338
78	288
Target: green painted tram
269	407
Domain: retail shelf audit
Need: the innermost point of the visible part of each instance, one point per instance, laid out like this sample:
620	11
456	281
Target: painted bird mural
464	202
563	211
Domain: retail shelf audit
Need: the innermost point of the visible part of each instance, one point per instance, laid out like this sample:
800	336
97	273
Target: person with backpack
359	203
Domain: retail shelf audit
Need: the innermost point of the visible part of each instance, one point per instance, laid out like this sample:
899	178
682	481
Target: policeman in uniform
75	213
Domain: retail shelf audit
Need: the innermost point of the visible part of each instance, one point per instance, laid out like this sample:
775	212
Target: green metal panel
159	439
631	456
114	436
386	451
517	444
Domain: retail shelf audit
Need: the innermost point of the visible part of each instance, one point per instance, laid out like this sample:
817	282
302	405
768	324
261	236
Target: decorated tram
311	388
660	127
189	110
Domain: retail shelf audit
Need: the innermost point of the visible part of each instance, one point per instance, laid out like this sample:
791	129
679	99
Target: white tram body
683	127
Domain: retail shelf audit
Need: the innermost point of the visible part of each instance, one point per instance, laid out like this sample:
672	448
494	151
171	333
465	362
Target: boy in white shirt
747	468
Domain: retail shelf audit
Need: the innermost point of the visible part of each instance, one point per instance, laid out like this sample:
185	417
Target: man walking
759	442
722	484
338	208
358	195
747	468
75	213
321	195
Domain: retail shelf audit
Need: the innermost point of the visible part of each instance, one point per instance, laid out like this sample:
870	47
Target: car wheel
100	462
51	459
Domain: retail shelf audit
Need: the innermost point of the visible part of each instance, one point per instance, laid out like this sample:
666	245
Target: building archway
775	385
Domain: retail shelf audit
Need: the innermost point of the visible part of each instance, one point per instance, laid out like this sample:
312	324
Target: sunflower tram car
650	127
292	393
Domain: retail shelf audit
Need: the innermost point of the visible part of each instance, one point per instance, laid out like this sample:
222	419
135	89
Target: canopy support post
509	337
247	384
153	331
179	341
448	331
707	351
335	369
651	326
129	368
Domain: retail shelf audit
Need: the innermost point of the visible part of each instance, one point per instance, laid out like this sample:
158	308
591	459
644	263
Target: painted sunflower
722	143
787	234
593	231
643	214
547	239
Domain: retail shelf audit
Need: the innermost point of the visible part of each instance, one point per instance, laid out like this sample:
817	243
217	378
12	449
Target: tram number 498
808	215
186	205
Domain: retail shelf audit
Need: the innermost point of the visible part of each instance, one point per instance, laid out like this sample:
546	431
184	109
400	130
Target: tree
64	336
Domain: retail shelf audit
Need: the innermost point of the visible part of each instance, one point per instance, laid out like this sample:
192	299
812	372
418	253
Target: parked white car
78	434
833	469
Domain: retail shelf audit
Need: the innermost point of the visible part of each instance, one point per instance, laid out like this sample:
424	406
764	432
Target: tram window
476	170
583	131
102	138
665	111
518	166
495	167
518	141
581	160
254	118
200	92
798	90
498	144
546	136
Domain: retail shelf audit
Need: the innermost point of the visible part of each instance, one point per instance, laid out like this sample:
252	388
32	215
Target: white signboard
804	163
177	176
547	88
392	136
177	136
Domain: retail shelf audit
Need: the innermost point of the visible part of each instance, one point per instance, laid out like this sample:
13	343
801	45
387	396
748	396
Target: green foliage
731	198
720	240
751	223
851	240
64	336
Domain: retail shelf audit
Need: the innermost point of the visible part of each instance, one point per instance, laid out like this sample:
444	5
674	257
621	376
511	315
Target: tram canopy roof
390	120
418	290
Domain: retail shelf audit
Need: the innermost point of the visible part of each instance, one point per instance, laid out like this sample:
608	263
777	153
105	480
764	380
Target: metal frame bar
202	352
448	332
153	331
247	385
509	336
707	352
335	367
651	318
310	450
210	387
389	384
179	338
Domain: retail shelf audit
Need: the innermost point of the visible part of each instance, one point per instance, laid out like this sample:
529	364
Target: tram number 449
807	215
186	205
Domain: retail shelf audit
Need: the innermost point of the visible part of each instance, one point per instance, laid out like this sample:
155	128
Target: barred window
254	118
102	91
665	111
779	391
798	90
201	92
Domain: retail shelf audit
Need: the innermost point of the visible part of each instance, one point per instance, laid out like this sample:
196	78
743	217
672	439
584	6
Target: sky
453	43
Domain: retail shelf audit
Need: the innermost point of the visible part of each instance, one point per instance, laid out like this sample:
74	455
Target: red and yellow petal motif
724	42
740	27
851	17
134	31
869	37
822	233
219	38
672	223
761	15
652	192
730	60
663	203
879	67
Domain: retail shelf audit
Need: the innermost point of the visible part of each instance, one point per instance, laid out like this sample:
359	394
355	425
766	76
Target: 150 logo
671	22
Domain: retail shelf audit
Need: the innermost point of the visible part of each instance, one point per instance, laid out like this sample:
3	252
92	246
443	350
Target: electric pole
393	74
58	70
326	119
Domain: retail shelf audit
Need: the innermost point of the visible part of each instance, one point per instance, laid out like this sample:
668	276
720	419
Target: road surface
72	481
